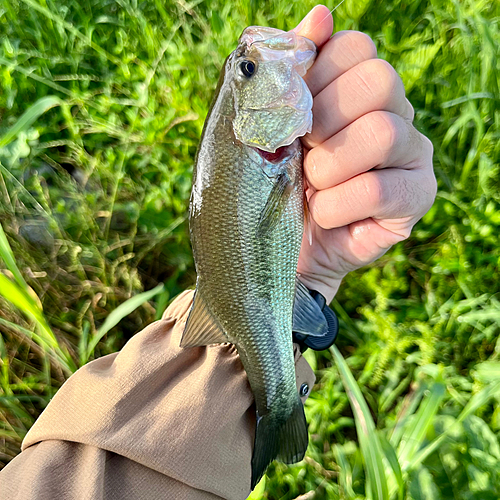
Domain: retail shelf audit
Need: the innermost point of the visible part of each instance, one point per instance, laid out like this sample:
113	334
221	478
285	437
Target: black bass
246	224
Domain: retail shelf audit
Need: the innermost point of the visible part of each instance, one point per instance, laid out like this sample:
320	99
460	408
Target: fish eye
247	68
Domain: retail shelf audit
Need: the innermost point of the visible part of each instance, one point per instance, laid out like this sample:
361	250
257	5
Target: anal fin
201	327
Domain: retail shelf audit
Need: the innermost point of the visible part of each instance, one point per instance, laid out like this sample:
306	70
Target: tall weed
101	108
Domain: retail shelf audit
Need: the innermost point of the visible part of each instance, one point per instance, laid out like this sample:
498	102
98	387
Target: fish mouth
277	156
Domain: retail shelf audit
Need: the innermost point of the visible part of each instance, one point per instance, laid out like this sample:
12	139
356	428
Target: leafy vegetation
101	107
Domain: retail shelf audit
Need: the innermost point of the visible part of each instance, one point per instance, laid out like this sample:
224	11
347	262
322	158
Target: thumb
317	25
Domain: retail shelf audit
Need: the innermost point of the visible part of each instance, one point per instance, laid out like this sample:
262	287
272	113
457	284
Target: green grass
101	107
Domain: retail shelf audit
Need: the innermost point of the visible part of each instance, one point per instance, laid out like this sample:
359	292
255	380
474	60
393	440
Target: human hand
368	169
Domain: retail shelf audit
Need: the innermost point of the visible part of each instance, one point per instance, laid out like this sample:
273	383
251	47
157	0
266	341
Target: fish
246	220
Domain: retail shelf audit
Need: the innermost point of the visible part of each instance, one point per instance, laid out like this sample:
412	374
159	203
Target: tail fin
276	438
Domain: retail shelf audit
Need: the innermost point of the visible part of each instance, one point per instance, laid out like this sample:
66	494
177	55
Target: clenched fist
368	169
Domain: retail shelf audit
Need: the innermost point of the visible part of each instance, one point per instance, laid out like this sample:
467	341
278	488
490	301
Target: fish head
272	103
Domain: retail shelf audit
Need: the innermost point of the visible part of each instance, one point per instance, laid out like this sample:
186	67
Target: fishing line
329	14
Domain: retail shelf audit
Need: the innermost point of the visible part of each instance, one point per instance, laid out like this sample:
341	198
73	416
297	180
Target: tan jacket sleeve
153	421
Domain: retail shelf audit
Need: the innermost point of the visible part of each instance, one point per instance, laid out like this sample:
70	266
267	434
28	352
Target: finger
353	238
379	194
317	25
410	112
371	230
372	85
376	140
342	52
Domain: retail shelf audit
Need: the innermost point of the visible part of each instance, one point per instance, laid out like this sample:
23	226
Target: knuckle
429	147
426	195
372	191
405	232
319	211
410	111
425	149
360	46
431	190
313	170
384	82
383	132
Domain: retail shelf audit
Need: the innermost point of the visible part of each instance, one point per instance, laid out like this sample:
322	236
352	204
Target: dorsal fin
201	327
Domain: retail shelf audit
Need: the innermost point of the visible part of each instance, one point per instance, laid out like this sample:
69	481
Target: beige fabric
153	421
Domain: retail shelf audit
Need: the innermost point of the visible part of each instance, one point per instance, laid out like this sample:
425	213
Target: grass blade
68	26
29	117
259	490
345	474
119	313
365	427
27	333
8	257
390	454
478	400
24	302
30	307
419	425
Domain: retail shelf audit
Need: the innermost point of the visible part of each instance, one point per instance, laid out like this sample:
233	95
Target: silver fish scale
270	265
248	283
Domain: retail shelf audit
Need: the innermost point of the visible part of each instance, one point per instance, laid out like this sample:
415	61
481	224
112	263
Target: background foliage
101	106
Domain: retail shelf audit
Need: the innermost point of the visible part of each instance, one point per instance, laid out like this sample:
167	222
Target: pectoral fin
276	203
307	220
308	318
201	328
